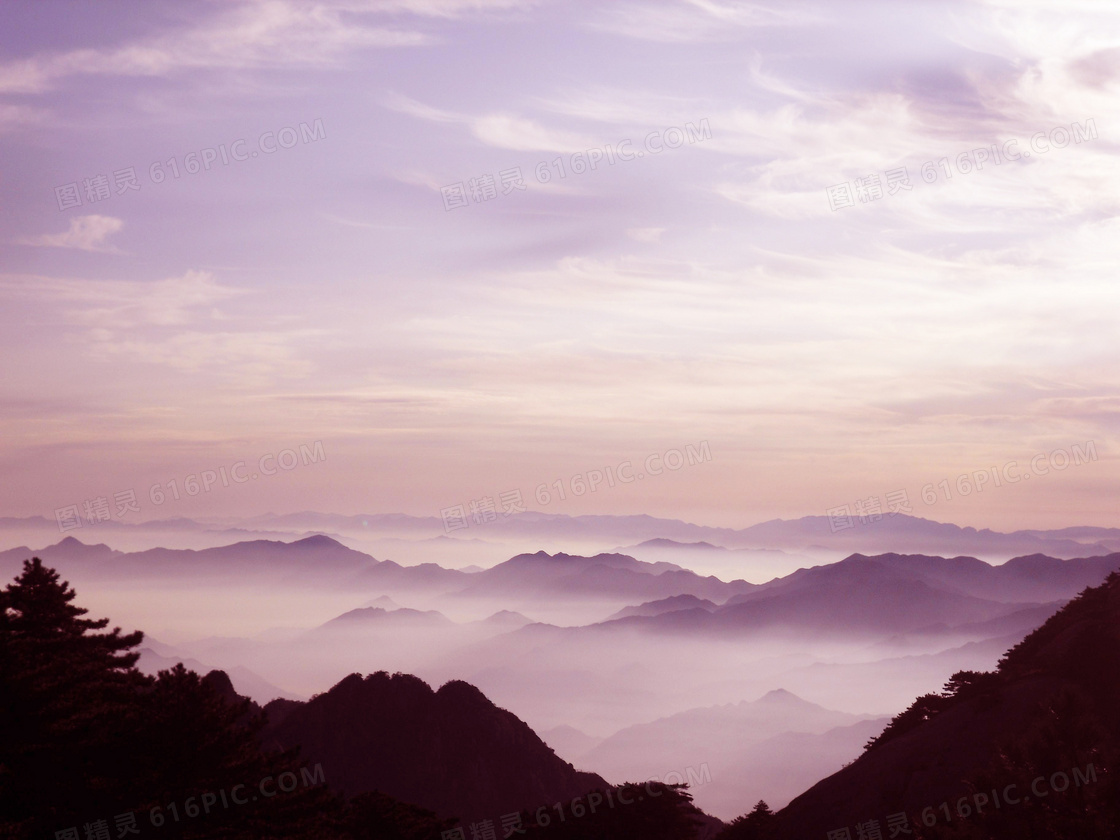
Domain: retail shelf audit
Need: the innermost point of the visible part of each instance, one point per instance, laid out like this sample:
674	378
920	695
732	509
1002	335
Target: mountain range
1030	730
764	545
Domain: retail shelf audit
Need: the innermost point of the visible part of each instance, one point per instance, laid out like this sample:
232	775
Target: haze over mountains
633	665
772	548
1042	726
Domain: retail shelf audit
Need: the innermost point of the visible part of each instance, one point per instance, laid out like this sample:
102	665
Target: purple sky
707	292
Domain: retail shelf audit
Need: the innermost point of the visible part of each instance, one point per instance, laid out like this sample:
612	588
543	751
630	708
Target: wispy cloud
694	21
86	233
256	34
500	130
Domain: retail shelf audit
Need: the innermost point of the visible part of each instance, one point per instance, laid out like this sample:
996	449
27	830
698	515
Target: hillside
1048	712
451	751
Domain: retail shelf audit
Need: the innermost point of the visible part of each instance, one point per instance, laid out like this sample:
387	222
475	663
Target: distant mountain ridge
881	594
888	593
899	532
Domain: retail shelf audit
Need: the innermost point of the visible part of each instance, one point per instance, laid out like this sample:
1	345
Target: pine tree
66	692
757	825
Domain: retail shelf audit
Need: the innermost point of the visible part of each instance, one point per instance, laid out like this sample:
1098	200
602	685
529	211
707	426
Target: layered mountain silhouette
665	605
811	535
603	575
450	750
899	532
85	735
890	594
1049	708
1034	577
920	585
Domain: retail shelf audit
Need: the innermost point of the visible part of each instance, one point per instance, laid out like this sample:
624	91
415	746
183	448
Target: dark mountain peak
348	686
221	683
384	681
450	750
69	542
463	693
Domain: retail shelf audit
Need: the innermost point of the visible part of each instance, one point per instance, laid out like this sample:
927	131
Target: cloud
123	305
506	131
87	233
175	322
257	34
693	21
502	131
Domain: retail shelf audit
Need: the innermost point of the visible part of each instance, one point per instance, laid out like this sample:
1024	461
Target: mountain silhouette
1050	707
451	751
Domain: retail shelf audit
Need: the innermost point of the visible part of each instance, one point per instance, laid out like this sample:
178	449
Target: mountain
778	768
543	575
756	565
670	604
767	541
568	742
1028	730
904	594
900	532
1032	578
713	734
315	555
451	750
904	533
383	601
378	617
507	619
244	681
859	596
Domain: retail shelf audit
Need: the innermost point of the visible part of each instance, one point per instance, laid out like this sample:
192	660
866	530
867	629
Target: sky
478	246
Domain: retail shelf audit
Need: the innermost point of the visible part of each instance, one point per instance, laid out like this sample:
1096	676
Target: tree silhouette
85	737
757	825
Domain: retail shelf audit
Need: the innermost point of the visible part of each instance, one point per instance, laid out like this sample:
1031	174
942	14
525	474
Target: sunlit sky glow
705	293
